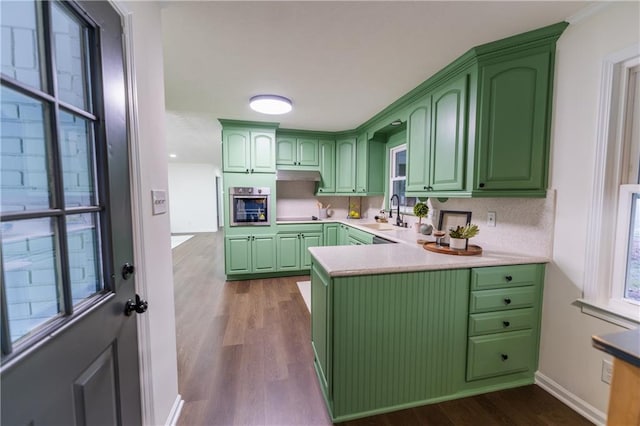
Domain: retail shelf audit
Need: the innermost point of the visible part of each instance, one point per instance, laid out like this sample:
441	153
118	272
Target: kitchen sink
380	226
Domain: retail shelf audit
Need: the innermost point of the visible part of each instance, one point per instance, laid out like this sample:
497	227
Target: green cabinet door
448	144
263	253
288	249
327	161
238	255
263	152
235	149
362	158
331	234
309	240
320	324
307	152
346	166
513	129
370	159
419	146
343	235
286	151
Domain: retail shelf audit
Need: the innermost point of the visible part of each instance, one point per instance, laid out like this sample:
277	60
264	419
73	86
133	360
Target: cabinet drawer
504	276
502	298
498	322
500	354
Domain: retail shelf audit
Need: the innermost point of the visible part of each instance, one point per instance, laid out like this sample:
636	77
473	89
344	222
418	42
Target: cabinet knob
481	185
251	170
504	357
509	278
320	190
247	171
507	301
248	238
353	190
506	323
425	187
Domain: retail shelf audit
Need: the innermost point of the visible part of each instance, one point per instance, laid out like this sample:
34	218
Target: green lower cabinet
330	233
343	235
293	250
248	254
500	354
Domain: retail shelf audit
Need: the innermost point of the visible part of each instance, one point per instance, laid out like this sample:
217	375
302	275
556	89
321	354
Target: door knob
140	306
128	270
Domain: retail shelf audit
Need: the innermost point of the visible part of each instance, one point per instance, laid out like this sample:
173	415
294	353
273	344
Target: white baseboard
579	405
174	414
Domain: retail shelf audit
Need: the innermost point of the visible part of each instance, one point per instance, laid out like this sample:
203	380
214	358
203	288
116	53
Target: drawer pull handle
507	301
504	357
508	278
506	323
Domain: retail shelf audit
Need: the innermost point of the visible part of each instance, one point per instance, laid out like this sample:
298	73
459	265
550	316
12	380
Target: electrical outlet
607	371
491	219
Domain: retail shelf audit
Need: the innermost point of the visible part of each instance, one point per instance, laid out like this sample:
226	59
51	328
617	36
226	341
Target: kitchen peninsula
395	326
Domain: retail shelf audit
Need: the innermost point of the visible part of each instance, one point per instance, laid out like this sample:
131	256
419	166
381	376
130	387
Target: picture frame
451	219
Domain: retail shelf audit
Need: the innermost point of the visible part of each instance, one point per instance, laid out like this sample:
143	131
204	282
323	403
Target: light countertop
407	256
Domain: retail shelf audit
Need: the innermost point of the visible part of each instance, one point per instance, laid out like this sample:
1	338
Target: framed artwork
451	219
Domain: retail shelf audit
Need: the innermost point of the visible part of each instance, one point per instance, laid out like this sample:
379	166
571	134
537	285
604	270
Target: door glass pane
70	46
632	283
31	277
21	43
76	146
84	263
24	181
400	163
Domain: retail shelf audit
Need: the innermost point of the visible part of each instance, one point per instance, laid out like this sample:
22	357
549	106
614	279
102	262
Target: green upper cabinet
346	166
419	146
293	151
448	147
513	126
327	149
436	136
248	147
369	163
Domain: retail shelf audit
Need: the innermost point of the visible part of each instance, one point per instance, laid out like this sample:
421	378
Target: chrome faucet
398	219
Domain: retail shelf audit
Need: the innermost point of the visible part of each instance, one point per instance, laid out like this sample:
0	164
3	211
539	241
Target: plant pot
458	243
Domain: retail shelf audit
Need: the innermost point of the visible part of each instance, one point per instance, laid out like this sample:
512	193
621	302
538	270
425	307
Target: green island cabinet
327	150
248	147
387	342
297	151
292	247
250	254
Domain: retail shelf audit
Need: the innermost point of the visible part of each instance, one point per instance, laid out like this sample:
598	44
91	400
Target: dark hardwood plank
245	358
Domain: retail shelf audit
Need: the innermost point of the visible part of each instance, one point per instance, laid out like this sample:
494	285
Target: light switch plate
159	201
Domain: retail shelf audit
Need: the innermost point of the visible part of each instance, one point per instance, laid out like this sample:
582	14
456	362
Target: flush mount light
270	104
396	122
173	156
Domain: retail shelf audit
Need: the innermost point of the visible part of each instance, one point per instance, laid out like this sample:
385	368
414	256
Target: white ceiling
339	62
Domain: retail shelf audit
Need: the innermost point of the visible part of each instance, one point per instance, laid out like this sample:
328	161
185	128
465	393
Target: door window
52	217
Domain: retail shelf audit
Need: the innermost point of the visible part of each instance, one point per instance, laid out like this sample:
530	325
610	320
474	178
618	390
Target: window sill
627	318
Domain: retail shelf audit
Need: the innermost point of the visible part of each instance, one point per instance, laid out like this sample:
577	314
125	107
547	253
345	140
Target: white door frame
137	201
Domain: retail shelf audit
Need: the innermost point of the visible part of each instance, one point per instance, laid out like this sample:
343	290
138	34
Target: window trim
404	209
598	285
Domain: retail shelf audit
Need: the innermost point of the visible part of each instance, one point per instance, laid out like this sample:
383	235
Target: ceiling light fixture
173	156
270	104
396	122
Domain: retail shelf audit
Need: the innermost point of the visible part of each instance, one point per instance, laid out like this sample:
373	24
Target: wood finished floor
244	357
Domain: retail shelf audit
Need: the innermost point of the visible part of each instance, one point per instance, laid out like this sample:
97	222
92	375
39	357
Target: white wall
192	197
155	275
567	356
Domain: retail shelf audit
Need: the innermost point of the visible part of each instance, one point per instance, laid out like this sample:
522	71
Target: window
52	217
398	178
612	278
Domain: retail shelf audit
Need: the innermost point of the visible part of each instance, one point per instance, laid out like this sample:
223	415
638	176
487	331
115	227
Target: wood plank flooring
244	357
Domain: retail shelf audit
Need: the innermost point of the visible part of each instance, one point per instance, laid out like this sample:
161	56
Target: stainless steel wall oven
249	206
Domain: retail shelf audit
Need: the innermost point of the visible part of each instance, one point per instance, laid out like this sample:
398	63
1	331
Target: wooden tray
445	249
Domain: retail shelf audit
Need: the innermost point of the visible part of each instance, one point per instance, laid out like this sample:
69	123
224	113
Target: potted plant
420	210
459	236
